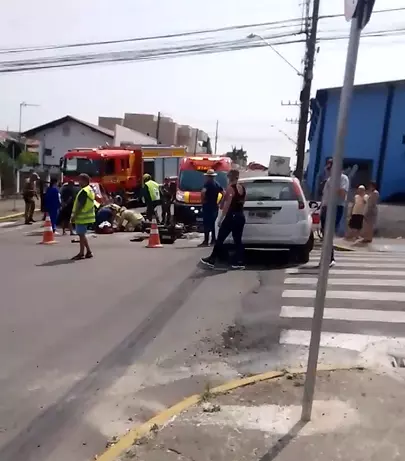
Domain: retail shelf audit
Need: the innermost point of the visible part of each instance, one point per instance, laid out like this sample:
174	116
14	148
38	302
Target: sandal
89	255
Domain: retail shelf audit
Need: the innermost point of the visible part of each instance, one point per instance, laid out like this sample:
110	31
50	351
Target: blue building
375	139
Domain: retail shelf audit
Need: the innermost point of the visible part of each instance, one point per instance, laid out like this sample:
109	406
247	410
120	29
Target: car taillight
316	219
298	193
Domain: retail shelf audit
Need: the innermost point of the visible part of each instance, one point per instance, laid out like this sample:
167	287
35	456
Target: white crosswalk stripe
365	301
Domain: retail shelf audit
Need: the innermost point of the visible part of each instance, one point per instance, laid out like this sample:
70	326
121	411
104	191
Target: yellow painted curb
342	248
14	216
128	440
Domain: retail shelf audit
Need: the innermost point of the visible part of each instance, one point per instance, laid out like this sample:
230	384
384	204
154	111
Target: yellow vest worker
83	215
153	190
83	207
152	197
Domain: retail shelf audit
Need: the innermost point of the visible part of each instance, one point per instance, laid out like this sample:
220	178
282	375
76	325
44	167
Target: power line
166	52
281	24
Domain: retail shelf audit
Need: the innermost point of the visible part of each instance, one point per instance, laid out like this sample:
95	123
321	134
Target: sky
242	89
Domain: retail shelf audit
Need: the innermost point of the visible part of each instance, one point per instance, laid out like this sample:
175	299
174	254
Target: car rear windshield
265	190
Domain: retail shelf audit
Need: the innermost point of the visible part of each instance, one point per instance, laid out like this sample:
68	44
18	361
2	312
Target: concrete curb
128	440
15	215
12	216
342	248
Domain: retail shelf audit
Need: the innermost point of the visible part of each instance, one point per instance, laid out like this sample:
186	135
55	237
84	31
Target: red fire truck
120	169
187	206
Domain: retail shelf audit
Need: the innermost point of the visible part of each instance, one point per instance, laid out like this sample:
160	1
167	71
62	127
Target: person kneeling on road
129	220
83	216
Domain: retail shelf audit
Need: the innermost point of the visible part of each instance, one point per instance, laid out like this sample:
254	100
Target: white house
66	133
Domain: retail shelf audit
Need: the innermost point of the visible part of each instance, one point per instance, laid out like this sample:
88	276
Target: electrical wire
204	45
281	23
274	24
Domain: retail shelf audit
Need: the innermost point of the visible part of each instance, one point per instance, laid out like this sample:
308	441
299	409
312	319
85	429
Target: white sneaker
332	263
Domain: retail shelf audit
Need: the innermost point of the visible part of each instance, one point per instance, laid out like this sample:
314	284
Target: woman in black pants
231	221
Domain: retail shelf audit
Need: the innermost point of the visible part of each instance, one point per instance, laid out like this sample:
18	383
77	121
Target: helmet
147	177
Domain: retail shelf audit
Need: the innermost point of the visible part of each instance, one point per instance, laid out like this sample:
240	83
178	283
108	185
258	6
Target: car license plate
260	214
199	219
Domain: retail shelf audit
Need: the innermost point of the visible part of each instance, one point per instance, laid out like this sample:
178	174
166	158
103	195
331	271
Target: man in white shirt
342	196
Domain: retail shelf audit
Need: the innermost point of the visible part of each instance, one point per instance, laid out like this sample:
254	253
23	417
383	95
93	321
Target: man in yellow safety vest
84	215
152	196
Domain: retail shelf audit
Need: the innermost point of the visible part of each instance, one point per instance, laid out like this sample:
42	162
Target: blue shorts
81	229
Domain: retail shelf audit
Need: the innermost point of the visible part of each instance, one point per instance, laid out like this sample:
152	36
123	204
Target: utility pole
196	141
216	138
305	95
158	127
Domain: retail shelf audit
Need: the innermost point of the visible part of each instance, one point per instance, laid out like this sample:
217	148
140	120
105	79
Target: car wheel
302	254
311	242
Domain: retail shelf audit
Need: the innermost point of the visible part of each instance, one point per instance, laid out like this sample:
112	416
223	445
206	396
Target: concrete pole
345	100
305	96
216	137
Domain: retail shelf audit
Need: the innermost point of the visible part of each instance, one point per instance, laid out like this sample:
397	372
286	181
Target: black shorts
356	221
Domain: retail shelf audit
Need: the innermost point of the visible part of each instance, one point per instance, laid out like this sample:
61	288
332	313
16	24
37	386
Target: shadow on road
56	262
283	442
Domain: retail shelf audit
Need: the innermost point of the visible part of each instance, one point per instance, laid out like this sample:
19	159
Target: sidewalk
384	245
7	207
357	416
10	209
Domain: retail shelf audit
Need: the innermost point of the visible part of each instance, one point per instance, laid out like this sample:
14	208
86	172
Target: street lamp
22	105
255	36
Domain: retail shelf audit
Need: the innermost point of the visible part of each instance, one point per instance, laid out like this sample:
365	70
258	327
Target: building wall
125	135
170	133
69	135
144	123
393	174
110	122
366	123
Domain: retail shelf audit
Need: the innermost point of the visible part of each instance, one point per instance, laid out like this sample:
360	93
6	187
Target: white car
277	216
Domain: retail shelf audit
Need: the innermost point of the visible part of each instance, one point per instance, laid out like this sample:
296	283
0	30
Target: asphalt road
90	348
86	347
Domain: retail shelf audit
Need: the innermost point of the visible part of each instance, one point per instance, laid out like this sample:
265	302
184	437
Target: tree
13	158
238	156
6	171
27	158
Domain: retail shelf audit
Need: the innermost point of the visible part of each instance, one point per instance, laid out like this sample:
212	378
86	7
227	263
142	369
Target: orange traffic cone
154	239
48	236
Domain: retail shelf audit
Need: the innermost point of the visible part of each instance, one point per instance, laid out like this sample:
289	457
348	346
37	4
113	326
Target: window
193	180
265	190
109	167
76	165
48	152
124	164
